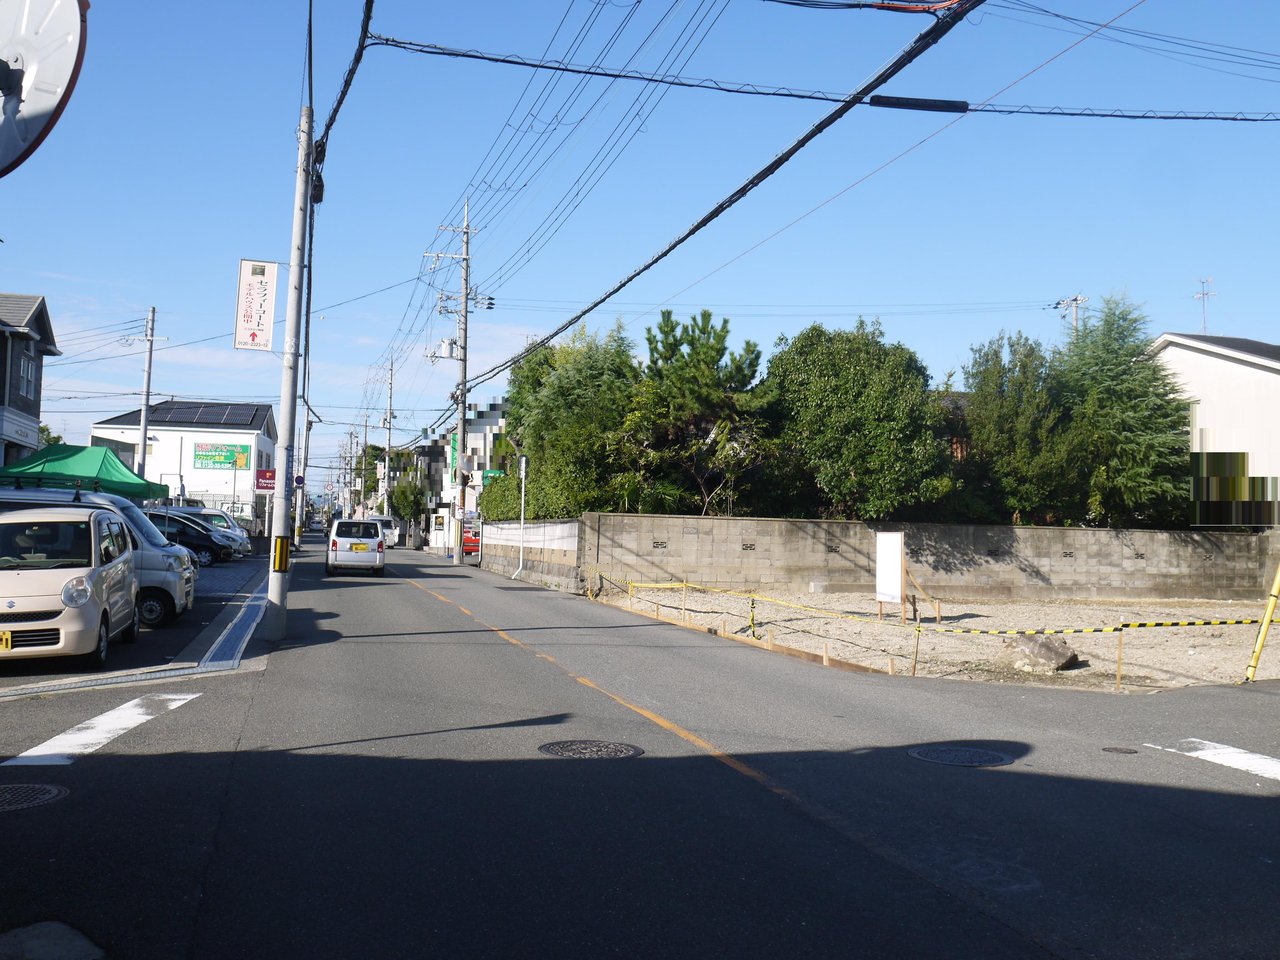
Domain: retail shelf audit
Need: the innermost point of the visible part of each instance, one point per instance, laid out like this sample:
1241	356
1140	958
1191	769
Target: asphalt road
373	787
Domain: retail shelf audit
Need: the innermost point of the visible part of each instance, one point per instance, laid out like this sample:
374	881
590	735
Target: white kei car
68	584
356	545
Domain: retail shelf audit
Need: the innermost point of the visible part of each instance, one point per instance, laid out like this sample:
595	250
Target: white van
165	572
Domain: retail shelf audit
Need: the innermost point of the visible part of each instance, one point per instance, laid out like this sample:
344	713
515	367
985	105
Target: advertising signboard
255	305
265	481
221	456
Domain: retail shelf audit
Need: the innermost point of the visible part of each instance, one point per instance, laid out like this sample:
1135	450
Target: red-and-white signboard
265	480
255	305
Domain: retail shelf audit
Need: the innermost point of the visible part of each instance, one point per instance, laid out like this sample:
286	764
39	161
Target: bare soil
847	628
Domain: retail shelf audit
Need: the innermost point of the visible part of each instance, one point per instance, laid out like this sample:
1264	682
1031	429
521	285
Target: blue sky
175	159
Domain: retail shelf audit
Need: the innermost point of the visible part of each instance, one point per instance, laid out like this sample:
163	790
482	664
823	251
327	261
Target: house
28	339
203	451
1233	386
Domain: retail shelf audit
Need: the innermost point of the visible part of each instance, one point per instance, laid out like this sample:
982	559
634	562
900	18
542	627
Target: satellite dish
41	51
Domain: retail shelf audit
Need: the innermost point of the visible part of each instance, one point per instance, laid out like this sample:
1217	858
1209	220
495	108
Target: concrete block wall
961	562
551	552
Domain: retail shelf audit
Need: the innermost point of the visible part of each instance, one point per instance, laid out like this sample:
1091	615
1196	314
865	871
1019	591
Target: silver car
68	584
356	545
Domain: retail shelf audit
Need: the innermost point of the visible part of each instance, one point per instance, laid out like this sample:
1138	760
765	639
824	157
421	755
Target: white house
1233	385
205	451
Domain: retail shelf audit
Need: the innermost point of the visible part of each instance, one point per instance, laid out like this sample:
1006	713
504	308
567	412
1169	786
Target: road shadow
354	848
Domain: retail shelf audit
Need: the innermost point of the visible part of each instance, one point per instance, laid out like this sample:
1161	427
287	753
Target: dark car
193	535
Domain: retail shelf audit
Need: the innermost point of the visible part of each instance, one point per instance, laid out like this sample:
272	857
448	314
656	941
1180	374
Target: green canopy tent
95	468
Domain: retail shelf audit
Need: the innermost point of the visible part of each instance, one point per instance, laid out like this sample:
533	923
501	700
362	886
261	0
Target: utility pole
386	457
461	505
1074	303
144	422
1203	296
273	619
364	470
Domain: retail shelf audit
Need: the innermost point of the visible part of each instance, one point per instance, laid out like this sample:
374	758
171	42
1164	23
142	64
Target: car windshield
61	543
357	530
142	526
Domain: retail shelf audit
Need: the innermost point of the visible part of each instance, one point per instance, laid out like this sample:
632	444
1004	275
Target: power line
759	90
926	39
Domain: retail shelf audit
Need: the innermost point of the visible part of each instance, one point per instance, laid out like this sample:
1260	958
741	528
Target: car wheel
328	570
204	556
380	571
97	659
155	607
135	624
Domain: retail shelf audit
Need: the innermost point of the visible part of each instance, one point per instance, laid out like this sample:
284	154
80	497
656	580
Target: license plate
6	640
359	548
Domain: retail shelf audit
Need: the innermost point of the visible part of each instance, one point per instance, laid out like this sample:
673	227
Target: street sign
255	305
298	481
328	487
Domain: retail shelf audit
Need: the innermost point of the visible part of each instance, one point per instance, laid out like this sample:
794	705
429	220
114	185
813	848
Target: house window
27	373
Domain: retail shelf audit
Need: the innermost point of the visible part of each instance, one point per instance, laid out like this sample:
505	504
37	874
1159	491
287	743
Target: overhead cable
760	90
926	39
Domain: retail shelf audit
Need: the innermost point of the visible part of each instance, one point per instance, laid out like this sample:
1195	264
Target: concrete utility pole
461	506
364	471
1203	296
273	618
386	455
1074	303
145	419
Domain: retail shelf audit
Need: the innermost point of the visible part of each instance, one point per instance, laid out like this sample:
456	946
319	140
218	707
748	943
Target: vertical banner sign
255	305
891	567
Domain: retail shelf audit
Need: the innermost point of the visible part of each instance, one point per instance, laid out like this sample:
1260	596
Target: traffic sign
328	487
298	481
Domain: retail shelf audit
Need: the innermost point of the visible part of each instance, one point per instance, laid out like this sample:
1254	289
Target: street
384	784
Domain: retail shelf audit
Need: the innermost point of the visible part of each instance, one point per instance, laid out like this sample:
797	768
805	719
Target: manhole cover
19	796
1118	750
961	756
590	750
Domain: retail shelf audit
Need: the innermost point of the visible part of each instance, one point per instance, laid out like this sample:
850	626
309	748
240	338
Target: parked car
317	525
166	572
69	582
390	529
209	547
356	545
470	540
222	522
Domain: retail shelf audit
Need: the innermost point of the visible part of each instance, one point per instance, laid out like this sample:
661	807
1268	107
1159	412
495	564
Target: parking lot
181	642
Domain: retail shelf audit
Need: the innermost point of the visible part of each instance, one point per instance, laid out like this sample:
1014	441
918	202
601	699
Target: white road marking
1256	763
87	737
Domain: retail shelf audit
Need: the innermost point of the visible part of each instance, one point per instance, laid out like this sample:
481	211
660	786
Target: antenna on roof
1203	296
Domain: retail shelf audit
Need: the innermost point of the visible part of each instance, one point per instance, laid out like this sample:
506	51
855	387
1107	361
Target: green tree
1018	458
690	434
1129	439
48	437
565	404
409	498
858	415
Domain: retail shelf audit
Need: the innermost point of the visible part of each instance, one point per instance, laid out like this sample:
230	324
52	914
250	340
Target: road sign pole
273	619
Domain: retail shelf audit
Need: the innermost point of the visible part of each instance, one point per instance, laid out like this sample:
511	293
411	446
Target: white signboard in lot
891	567
255	305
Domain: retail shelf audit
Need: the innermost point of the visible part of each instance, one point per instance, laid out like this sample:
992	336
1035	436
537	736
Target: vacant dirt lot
846	626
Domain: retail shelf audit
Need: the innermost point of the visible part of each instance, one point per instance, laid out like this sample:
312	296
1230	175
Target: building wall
171	459
1235	405
961	562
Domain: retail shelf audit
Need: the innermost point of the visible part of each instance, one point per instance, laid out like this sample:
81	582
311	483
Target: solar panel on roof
239	416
